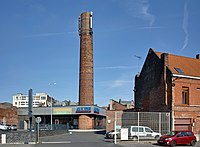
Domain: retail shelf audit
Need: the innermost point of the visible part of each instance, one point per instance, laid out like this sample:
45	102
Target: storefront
65	116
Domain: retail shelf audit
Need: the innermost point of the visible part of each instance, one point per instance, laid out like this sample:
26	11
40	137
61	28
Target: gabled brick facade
159	87
149	85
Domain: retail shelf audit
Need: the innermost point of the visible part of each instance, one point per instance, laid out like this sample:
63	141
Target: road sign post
38	120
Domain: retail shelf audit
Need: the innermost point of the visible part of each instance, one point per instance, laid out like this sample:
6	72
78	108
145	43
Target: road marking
58	142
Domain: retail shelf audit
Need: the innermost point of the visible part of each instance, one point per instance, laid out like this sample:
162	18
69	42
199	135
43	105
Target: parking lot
85	140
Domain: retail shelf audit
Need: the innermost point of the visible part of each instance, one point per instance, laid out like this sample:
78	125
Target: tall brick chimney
86	96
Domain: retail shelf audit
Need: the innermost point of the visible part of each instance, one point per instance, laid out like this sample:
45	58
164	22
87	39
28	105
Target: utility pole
30	111
51	107
30	106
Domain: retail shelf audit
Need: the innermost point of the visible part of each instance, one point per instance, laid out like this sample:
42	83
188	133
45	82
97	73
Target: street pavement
84	140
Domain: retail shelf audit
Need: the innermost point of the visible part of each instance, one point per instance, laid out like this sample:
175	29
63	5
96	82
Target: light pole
51	105
51	113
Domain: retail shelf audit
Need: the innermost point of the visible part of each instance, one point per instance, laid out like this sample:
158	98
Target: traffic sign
38	119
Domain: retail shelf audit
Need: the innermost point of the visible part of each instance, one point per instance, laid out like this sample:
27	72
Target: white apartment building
39	100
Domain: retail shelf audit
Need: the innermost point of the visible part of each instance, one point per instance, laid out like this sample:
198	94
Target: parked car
3	127
9	126
142	132
12	127
111	134
178	137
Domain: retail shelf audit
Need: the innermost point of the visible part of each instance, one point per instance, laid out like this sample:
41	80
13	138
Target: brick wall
156	90
149	85
110	119
191	111
8	114
194	91
118	108
114	105
86	122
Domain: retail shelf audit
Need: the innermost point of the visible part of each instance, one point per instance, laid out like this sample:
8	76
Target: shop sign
62	111
83	110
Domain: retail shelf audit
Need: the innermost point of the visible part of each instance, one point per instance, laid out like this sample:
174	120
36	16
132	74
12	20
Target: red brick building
116	108
170	83
8	114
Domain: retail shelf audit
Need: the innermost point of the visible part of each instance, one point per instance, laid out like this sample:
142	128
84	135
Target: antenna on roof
138	57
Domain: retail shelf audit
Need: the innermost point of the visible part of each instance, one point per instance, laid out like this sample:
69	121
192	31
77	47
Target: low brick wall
26	136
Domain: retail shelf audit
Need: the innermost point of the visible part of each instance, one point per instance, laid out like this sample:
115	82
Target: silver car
3	127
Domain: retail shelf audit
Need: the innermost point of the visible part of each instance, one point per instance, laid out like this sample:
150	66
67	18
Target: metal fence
54	127
157	121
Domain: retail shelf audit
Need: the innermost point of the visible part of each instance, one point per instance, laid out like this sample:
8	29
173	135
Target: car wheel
130	137
173	143
156	137
135	138
192	143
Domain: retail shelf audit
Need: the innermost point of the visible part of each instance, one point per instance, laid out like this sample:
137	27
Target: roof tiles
188	66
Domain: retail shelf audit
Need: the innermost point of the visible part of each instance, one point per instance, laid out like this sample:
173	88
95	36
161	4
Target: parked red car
177	137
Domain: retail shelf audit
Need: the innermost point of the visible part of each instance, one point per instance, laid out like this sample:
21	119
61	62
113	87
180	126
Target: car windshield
172	133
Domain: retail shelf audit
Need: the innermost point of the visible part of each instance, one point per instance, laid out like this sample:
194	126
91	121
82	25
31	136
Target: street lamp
51	104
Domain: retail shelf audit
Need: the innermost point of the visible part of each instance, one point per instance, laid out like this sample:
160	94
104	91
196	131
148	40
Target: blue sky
40	43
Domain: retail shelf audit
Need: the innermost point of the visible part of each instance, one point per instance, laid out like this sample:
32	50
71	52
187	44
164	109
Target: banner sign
96	110
62	110
83	110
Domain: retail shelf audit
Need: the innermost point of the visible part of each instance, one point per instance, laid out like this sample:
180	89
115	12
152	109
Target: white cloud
115	83
138	9
119	83
150	27
34	5
116	67
48	34
185	25
145	13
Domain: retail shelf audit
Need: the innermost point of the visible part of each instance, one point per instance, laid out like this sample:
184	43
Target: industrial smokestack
86	92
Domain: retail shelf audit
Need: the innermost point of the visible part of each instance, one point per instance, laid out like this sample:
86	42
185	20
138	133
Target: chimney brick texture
86	94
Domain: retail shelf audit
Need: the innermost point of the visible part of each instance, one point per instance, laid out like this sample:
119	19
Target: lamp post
51	105
51	113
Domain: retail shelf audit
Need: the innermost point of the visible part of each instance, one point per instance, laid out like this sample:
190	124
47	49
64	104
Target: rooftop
183	65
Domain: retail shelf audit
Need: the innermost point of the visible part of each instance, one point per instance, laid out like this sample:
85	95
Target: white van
3	127
142	132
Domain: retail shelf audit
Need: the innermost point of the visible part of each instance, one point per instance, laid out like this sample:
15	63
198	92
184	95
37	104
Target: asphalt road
85	140
70	140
